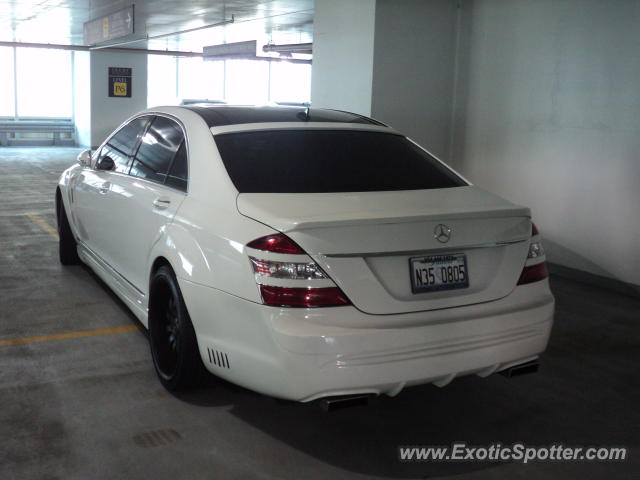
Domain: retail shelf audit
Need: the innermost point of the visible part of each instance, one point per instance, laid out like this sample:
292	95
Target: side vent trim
218	358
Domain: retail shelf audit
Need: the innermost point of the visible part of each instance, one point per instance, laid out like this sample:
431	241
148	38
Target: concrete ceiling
61	21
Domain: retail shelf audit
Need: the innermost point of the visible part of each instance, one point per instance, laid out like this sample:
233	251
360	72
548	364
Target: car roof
222	115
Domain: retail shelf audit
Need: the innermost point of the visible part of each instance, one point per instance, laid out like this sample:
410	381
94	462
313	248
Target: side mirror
84	158
106	163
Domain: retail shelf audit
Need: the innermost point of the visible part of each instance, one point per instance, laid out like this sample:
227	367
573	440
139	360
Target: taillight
534	230
533	273
287	270
535	268
288	277
278	243
303	297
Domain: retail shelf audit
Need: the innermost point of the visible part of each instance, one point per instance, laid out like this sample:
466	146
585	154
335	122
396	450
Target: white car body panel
304	354
88	210
290	211
389	338
365	240
147	209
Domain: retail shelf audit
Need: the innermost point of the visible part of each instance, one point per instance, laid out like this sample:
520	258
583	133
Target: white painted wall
341	76
549	116
413	69
109	112
82	98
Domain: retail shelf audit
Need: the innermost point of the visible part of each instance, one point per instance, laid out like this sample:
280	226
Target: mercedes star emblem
442	233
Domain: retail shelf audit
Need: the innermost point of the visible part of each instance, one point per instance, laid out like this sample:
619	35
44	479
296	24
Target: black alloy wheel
174	347
67	246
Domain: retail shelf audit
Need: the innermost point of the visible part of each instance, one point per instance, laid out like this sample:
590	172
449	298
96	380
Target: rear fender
187	261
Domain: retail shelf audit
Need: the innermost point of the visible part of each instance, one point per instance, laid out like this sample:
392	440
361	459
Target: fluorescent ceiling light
230	50
289	48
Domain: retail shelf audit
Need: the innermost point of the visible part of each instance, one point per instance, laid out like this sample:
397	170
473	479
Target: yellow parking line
67	335
42	224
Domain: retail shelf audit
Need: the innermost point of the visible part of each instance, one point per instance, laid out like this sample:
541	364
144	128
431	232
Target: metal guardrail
24	132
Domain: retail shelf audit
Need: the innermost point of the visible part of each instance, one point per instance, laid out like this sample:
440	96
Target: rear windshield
323	161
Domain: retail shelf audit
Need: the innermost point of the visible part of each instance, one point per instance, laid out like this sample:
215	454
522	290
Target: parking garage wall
548	115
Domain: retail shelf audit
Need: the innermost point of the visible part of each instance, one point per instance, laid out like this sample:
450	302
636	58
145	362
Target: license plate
438	272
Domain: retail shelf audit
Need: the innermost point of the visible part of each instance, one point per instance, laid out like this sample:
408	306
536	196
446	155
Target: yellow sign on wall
119	89
120	81
105	28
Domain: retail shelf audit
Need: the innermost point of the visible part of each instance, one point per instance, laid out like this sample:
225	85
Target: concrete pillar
391	59
97	114
82	98
109	112
342	71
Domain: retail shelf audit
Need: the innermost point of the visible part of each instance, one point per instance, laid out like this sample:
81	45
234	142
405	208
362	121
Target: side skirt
129	294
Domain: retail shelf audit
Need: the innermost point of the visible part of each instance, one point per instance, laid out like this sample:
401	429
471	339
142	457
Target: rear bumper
301	354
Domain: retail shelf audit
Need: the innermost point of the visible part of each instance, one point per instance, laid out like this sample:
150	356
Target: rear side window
158	147
178	174
322	161
121	145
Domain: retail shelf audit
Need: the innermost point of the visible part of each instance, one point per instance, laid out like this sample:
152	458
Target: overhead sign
230	50
115	25
120	82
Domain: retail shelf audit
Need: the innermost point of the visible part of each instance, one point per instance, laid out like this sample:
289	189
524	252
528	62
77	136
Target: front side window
157	149
120	147
324	161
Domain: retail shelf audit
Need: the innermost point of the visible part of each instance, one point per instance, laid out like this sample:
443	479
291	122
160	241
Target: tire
67	246
174	347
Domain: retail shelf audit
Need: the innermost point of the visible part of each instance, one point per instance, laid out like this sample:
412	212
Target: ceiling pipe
84	48
44	45
172	53
268	59
288	60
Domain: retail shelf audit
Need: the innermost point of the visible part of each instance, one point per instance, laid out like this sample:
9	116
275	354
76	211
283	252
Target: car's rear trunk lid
365	241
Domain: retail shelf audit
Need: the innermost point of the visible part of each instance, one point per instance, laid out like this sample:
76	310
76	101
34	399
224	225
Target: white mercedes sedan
304	253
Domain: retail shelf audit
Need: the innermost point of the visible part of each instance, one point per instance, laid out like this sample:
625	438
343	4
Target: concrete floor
92	408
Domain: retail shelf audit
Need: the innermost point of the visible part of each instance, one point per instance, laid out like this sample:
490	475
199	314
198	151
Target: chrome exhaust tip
521	369
331	404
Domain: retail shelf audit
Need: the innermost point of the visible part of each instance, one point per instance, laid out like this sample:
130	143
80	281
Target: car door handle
161	203
104	188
